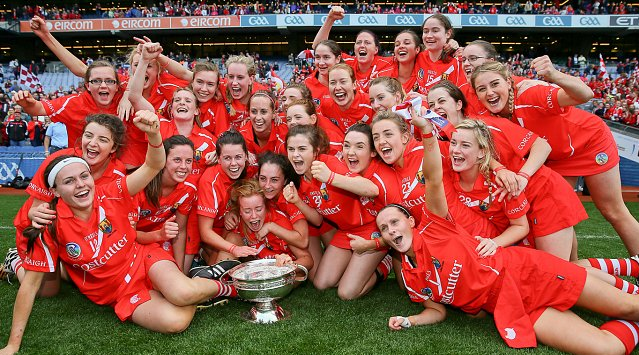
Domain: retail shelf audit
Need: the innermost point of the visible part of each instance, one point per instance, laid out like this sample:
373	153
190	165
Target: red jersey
214	117
364	78
292	212
37	188
180	200
359	110
515	284
101	254
270	246
411	179
568	130
430	73
72	110
319	91
479	200
237	111
202	141
385	178
393	72
334	134
341	207
276	140
134	152
214	189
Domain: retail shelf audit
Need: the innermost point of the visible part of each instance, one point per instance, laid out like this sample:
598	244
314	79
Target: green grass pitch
320	322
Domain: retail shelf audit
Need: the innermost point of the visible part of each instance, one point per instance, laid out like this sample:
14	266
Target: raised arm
573	90
155	159
174	68
435	198
136	86
39	27
336	13
29	104
22	309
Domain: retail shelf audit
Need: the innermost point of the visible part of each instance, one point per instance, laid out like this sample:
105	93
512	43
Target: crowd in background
214	8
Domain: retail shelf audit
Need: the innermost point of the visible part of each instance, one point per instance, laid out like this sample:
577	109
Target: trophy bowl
263	282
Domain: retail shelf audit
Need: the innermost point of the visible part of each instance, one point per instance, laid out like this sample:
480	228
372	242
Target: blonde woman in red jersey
582	143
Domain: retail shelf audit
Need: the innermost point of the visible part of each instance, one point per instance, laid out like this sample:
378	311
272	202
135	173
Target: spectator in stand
15	68
55	138
16	130
5	106
35	131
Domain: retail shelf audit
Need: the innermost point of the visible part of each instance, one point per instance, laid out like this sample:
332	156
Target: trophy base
266	312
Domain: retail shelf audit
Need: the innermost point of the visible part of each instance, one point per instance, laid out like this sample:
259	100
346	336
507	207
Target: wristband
431	134
405	322
155	146
331	178
232	248
498	169
378	245
524	175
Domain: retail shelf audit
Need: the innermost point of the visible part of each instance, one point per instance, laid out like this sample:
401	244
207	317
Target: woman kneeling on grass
528	292
95	242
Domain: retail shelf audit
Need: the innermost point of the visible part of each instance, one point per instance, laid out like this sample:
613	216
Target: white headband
64	162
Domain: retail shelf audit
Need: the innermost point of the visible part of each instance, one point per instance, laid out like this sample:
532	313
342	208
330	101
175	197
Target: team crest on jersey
335	122
144	213
420	73
483	205
376	235
415	87
228	107
73	250
601	158
436	263
105	226
198	155
420	177
428	292
175	207
316	101
324	192
134	299
444	76
160	112
365	200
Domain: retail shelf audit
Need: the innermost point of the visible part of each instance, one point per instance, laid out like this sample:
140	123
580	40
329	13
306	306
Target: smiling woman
102	96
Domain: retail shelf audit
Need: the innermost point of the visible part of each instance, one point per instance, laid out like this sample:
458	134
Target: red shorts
368	231
553	205
192	234
598	156
323	228
543	281
136	291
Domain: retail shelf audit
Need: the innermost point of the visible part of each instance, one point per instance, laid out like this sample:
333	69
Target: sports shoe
217	301
215	271
6	271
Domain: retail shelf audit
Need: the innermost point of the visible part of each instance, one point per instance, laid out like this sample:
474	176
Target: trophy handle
302	278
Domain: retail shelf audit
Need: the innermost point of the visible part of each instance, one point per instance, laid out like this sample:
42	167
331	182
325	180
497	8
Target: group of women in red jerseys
344	175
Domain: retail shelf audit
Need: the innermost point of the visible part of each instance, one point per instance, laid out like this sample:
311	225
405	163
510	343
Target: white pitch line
593	236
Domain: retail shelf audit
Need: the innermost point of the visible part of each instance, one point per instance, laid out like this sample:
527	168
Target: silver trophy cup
262	282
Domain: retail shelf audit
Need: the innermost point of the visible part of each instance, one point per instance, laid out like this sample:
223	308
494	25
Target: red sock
626	286
626	331
384	268
225	290
617	267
